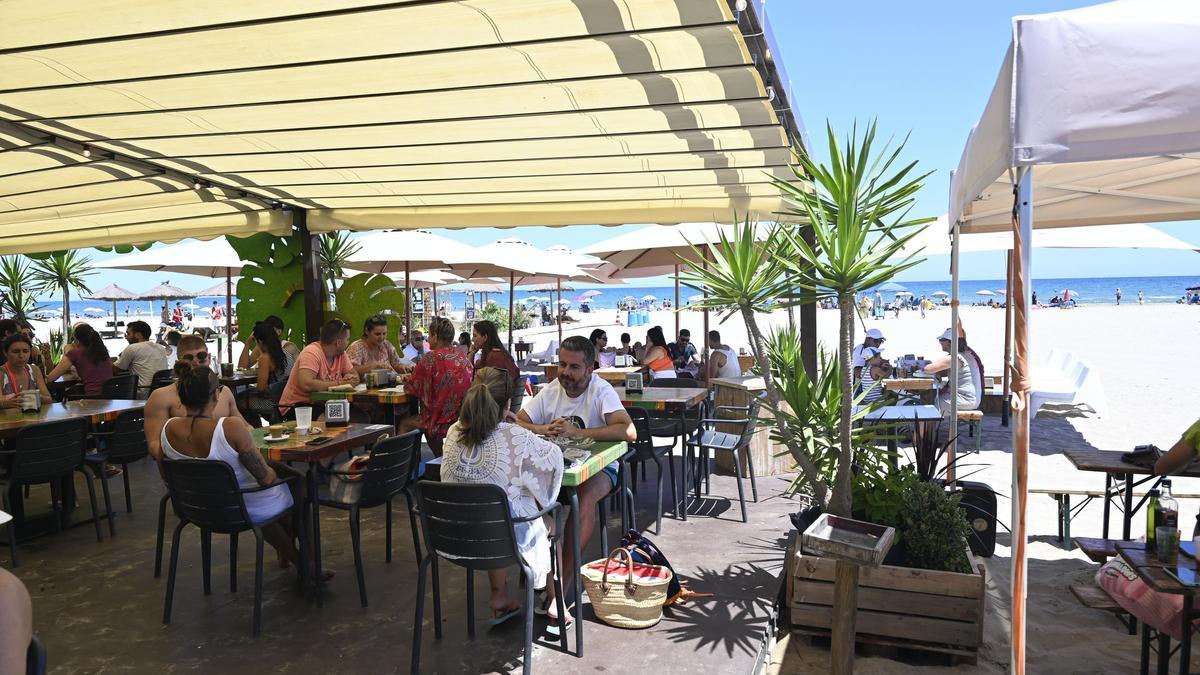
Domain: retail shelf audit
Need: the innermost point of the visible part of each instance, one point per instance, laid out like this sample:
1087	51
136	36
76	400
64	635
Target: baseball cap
948	336
876	334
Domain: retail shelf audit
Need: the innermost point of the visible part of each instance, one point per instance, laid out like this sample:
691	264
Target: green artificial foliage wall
272	284
363	295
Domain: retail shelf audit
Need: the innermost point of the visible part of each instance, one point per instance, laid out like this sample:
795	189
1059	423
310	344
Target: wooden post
314	286
558	312
677	302
1008	314
511	293
845	611
228	311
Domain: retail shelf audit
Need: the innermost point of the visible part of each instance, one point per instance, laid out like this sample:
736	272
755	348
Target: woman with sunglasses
89	357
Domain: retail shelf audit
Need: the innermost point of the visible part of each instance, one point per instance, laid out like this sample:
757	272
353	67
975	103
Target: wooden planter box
897	606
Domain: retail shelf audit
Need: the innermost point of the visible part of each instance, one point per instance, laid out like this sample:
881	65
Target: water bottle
1168	508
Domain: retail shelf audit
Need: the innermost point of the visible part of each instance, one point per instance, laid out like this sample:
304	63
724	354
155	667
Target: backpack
643	551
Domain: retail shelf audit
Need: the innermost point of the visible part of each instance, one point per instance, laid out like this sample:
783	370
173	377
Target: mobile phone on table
319	440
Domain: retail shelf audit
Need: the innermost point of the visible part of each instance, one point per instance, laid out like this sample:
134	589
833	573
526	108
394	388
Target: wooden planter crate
897	606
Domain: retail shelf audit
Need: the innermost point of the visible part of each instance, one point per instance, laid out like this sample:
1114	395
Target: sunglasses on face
198	356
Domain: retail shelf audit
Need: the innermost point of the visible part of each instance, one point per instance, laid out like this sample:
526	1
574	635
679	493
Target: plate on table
276	439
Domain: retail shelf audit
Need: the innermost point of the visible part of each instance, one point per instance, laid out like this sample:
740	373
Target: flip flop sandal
554	626
499	617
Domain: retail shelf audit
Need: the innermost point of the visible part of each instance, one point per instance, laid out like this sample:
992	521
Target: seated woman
227	439
89	357
1182	454
968	388
373	351
487	351
874	372
655	356
484	447
605	355
274	367
625	349
18	375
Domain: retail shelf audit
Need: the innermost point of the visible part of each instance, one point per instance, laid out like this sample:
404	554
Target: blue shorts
611	472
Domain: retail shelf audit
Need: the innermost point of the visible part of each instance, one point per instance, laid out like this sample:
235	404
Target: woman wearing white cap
968	383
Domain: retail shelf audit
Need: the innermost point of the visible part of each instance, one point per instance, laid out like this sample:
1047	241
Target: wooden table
521	350
909	383
388	398
296	449
615	375
95	410
1115	471
240	378
1153	572
664	399
770	458
549	372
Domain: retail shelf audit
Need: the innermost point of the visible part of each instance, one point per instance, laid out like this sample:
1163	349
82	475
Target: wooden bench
1094	597
1066	511
1099	550
974	420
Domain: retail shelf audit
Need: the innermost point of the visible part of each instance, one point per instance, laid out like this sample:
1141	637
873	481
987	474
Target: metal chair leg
112	526
471	602
12	530
388	528
750	470
674	497
162	526
356	542
528	667
659	495
258	581
437	599
603	524
171	568
412	521
128	494
420	614
95	508
737	471
206	559
233	546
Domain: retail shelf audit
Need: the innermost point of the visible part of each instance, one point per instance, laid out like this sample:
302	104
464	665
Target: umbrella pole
704	342
407	303
228	313
511	292
676	306
1022	268
436	308
1008	312
558	313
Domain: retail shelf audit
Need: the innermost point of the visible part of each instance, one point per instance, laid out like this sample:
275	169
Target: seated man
321	365
164	402
683	352
440	380
580	393
142	357
416	347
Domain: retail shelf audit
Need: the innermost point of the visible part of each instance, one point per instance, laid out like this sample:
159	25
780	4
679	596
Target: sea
1093	291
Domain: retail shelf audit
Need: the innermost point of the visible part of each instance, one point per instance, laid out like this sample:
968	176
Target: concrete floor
99	609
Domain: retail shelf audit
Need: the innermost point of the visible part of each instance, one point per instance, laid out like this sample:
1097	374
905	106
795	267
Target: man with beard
579	393
164	402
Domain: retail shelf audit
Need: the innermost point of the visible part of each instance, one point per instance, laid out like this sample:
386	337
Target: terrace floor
99	609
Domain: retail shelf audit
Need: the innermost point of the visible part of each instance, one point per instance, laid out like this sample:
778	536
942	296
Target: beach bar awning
155	121
1105	102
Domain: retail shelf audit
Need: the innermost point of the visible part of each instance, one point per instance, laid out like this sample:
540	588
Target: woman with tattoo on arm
227	439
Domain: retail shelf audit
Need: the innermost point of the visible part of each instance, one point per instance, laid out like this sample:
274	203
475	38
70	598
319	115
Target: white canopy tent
1094	119
935	240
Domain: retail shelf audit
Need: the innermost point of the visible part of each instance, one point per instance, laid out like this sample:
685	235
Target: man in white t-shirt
580	393
142	357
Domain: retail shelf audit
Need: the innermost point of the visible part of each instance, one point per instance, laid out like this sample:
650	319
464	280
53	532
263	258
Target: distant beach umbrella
592	293
649	298
984	292
564	303
890	287
94	311
1002	292
941	294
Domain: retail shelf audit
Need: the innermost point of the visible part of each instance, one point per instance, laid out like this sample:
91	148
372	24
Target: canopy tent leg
1019	298
955	236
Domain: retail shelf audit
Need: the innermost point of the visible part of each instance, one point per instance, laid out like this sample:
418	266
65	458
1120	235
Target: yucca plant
64	271
18	283
336	249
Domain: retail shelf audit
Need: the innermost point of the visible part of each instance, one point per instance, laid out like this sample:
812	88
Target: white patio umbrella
648	298
405	251
114	293
93	311
591	294
984	292
940	294
214	258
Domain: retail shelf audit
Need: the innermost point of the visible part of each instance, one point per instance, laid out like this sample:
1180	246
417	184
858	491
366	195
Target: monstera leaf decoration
273	284
363	295
267	249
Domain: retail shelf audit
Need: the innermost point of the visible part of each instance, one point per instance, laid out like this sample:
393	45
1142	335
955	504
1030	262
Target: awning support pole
228	312
1022	281
676	306
558	313
1008	313
314	285
955	236
407	302
511	293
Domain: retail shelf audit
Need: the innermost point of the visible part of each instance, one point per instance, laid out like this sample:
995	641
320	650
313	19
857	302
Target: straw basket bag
626	594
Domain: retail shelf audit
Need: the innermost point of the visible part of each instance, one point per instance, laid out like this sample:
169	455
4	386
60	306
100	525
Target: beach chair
1081	385
550	353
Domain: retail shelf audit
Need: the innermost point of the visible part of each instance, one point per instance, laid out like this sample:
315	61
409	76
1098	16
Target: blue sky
919	67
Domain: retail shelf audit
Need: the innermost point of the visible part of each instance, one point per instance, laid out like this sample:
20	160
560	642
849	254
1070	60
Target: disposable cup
303	419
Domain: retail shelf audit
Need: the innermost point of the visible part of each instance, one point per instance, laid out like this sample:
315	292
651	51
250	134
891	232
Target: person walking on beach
1141	298
1118	295
1035	298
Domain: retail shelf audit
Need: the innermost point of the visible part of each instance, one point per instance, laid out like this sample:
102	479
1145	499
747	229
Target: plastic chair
205	493
389	473
469	525
735	443
118	387
162	378
47	453
125	444
676	426
644	451
35	657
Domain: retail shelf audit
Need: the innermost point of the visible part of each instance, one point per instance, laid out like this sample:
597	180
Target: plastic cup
1166	539
303	419
227	370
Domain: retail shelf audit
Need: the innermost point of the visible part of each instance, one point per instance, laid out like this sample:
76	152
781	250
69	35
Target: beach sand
1142	354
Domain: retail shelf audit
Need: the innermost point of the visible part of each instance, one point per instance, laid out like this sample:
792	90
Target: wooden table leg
845	610
1128	506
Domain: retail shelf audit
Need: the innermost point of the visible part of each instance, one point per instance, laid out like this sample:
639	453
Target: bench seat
1094	597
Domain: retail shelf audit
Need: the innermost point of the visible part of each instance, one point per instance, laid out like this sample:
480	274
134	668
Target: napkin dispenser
337	413
623	361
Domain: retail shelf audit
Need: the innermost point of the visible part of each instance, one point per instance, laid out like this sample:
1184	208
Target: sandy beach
1152	397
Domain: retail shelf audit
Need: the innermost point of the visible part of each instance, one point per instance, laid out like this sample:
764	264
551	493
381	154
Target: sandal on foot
555	625
500	616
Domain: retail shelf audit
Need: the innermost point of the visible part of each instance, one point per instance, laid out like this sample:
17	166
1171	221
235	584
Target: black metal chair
623	492
47	453
470	525
162	378
205	493
124	443
389	473
737	443
35	657
644	451
118	387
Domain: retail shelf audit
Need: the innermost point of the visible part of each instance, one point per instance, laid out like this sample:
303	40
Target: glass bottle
1168	508
1151	515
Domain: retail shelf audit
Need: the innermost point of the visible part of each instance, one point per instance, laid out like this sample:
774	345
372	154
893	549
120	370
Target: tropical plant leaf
267	250
265	289
62	271
19	286
364	295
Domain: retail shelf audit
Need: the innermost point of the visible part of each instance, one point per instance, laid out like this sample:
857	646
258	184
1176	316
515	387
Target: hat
876	334
948	336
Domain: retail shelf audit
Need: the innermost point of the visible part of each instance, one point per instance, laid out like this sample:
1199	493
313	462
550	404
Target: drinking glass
303	419
227	370
1166	538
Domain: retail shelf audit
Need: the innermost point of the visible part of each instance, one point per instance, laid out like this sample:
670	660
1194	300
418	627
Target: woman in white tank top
199	436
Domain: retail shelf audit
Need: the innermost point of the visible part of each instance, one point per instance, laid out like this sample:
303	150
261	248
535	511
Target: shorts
611	472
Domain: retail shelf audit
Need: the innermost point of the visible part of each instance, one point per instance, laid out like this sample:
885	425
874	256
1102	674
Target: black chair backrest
748	431
162	378
120	387
518	395
389	468
48	450
468	524
275	389
684	382
128	440
205	492
643	446
35	657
